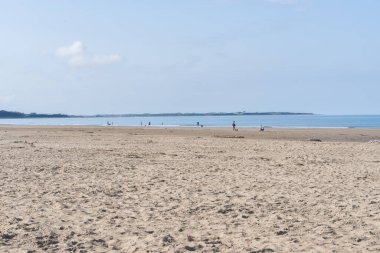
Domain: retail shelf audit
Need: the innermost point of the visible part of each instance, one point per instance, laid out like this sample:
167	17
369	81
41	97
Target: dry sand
177	190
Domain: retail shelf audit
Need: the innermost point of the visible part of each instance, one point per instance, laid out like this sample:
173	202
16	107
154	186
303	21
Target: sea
242	121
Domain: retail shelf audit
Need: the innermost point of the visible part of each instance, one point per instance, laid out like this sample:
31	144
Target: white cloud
76	56
74	49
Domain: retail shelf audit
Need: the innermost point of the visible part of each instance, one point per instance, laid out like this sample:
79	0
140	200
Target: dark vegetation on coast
202	114
20	115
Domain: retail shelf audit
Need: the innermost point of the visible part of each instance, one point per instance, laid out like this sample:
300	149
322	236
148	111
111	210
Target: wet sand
98	189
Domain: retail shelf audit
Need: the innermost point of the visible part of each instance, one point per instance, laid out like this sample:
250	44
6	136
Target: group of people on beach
234	128
233	125
141	123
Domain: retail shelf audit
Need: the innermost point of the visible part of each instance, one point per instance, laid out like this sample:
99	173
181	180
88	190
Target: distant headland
201	114
20	115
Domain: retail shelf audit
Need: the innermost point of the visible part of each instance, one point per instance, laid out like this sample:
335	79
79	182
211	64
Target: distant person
198	124
262	129
149	123
141	123
233	126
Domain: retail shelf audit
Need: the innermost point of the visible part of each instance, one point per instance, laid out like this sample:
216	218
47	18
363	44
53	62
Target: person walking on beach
233	126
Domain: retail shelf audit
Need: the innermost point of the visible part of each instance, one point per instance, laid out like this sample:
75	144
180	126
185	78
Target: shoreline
189	126
297	134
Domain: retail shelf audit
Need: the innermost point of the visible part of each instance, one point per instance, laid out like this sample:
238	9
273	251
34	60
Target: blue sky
96	56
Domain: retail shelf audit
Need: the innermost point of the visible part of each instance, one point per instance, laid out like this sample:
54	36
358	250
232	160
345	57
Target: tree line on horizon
19	115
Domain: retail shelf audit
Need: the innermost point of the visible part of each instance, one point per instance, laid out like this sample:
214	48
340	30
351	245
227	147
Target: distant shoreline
202	114
19	115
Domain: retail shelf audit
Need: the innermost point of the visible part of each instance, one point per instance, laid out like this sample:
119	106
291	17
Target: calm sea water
293	121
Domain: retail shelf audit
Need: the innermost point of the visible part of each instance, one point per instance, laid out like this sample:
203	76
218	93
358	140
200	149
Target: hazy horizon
194	112
132	57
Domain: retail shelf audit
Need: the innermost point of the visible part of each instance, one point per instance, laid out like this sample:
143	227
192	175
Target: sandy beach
99	189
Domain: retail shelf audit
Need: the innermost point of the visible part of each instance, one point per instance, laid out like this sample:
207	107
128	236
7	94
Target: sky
122	56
